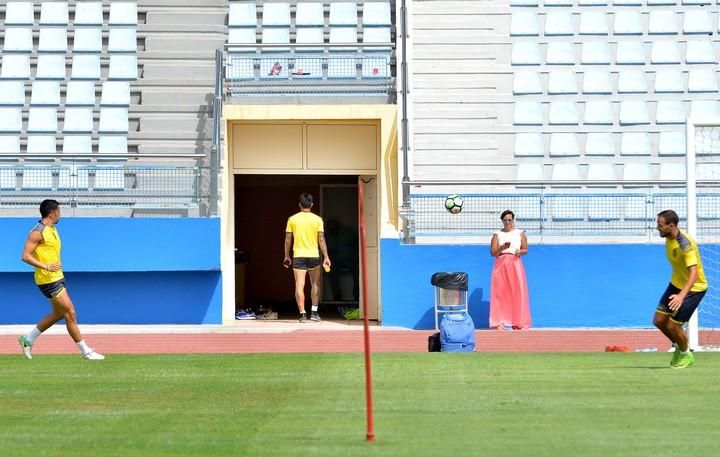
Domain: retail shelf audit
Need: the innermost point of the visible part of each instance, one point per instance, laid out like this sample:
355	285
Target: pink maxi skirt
509	299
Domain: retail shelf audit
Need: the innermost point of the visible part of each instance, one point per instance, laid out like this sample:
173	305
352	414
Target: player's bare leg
314	292
300	292
63	304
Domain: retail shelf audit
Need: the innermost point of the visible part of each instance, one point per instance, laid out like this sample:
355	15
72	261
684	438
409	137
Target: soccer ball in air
454	203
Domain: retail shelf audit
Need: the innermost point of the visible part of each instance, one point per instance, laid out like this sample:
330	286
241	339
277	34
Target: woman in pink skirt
509	300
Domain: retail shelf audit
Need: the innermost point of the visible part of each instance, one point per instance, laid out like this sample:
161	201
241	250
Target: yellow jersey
682	252
47	252
305	227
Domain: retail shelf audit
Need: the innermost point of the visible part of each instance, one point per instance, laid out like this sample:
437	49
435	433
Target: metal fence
546	213
345	72
120	189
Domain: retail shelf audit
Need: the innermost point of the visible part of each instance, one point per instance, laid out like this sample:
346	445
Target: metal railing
550	212
305	69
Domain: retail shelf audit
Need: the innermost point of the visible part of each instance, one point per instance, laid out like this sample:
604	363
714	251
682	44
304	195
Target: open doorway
263	204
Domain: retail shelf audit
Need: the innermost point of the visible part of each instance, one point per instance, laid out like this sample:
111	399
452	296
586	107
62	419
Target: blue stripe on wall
570	285
121	244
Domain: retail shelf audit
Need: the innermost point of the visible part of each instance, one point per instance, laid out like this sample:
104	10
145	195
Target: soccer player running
687	287
42	251
304	233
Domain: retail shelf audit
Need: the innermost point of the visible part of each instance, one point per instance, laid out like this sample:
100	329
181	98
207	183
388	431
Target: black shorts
686	310
305	263
53	289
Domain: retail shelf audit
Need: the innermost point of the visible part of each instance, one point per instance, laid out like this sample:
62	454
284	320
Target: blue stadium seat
663	22
597	82
669	81
633	112
115	93
80	93
558	23
628	22
598	113
631	82
697	21
12	93
563	113
78	120
705	109
51	66
243	14
77	144
671	144
19	13
85	66
113	120
10	144
564	145
109	179
123	67
527	82
42	120
88	14
635	144
700	52
123	13
87	39
10	119
41	144
524	53
702	80
310	14
45	93
529	145
630	53
122	40
560	53
665	52
593	23
53	39
524	23
562	82
18	39
670	112
599	144
15	66
595	53
527	113
343	14
54	13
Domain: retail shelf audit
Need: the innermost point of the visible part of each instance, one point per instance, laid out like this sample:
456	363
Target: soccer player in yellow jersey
305	234
686	289
42	251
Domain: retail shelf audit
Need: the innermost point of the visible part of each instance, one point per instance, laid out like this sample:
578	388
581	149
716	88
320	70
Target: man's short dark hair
305	200
669	216
505	213
48	206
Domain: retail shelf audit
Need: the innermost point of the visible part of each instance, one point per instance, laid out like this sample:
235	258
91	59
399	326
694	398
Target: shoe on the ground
92	355
676	356
685	360
315	316
303	317
244	315
269	316
26	347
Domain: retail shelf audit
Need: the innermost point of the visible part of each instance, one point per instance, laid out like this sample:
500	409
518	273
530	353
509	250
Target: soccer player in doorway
42	251
305	233
686	289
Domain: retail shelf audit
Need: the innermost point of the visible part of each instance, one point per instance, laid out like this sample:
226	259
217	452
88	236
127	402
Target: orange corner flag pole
370	434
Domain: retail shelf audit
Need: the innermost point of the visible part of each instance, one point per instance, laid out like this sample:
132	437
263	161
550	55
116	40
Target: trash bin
451	293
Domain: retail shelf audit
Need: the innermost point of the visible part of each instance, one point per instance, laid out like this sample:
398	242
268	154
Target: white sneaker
26	347
92	355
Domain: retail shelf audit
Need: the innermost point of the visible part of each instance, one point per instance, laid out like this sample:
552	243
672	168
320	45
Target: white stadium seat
562	82
635	144
122	40
597	82
10	119
665	52
123	67
19	13
697	21
705	109
529	144
599	144
53	39
276	14
564	145
631	82
12	93
123	13
80	93
558	23
593	23
601	172
42	120
524	23
45	93
374	14
51	66
112	144
78	120
115	93
41	144
527	113
10	144
525	53
310	14
633	112
18	39
242	15
598	113
700	52
628	22
54	13
560	53
670	112
527	82
113	120
669	81
630	53
88	14
671	144
77	144
85	66
16	66
663	22
563	113
702	80
595	53
87	39
343	14
530	172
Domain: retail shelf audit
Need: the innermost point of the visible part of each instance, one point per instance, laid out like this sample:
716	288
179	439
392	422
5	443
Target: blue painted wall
121	271
570	285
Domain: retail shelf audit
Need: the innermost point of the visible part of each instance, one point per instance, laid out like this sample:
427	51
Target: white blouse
513	236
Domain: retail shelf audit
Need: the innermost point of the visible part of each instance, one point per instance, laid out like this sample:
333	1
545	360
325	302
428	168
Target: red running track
339	341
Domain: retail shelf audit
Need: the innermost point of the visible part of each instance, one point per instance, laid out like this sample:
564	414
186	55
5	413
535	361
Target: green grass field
314	405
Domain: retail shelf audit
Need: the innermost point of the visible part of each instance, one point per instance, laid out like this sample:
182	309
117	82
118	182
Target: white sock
84	348
314	308
33	335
